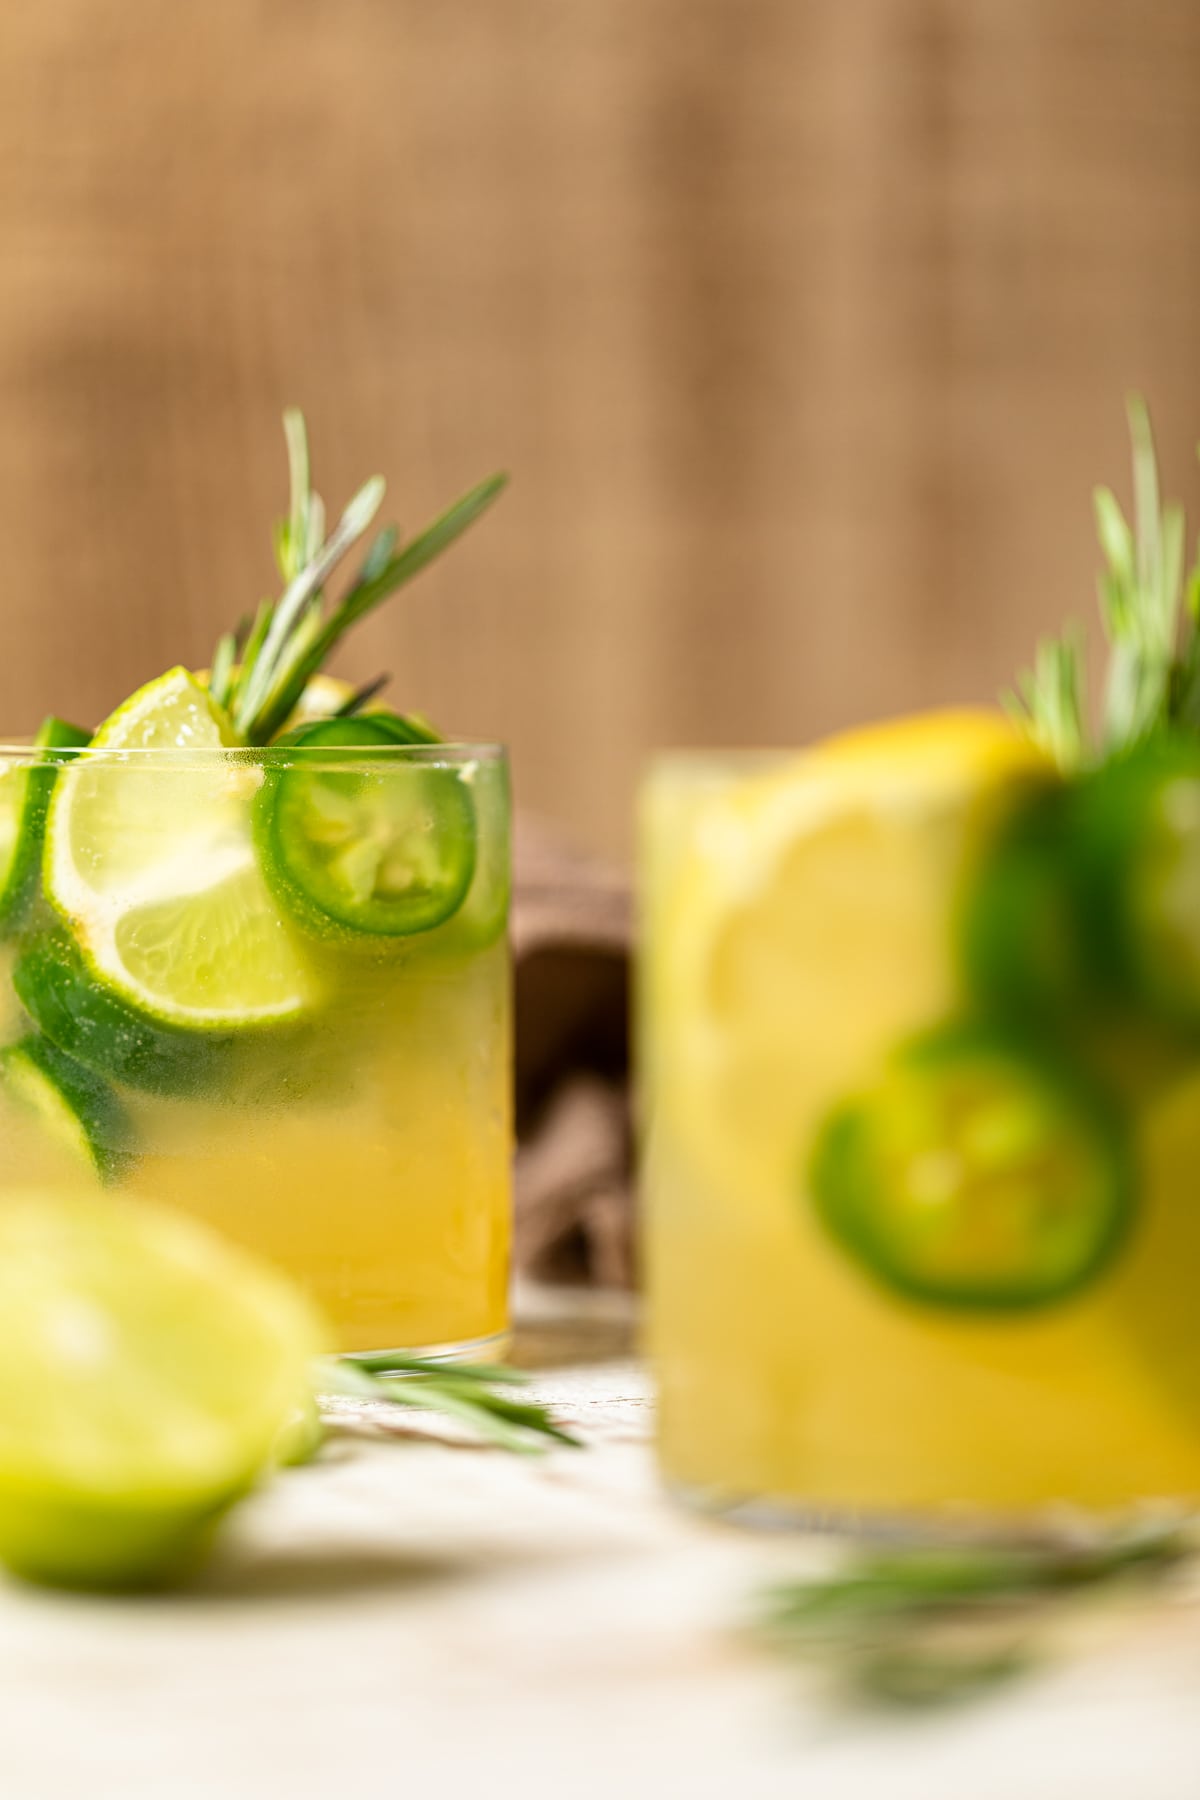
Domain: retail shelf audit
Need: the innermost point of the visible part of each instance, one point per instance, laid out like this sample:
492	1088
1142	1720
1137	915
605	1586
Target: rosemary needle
259	672
1150	612
926	1626
479	1395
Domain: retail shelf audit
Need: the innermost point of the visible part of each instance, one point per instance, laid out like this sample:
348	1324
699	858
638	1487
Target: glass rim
456	755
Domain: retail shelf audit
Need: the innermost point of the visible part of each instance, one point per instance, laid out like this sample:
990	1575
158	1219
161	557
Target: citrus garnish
24	797
152	865
76	1106
146	1372
97	1028
975	1172
1140	829
383	848
483	915
804	924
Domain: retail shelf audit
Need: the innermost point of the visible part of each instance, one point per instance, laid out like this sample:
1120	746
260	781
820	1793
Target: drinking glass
920	1065
271	987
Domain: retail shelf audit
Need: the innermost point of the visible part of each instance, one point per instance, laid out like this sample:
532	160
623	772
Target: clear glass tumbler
271	987
920	1048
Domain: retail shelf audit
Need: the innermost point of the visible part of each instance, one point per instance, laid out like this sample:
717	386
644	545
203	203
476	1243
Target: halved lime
150	860
75	1105
381	850
975	1173
147	1370
24	797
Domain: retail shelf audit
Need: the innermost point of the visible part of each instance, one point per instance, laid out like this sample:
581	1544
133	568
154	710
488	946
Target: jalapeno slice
1141	835
77	1107
367	852
975	1174
406	728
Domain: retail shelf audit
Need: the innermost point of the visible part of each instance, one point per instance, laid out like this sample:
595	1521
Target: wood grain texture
802	324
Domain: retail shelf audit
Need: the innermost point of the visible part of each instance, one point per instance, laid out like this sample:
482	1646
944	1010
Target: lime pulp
146	1372
152	867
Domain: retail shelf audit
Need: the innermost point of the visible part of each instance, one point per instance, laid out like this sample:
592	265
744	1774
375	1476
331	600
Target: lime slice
381	850
801	920
150	860
95	1027
146	1372
975	1173
77	1107
24	797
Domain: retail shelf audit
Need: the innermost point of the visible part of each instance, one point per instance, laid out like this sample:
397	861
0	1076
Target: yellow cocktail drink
921	1085
389	1192
329	1087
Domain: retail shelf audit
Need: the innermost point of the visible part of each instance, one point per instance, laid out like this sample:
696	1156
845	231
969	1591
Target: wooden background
803	326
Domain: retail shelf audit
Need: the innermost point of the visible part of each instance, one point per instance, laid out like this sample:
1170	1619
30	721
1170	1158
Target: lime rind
93	1025
25	791
75	1106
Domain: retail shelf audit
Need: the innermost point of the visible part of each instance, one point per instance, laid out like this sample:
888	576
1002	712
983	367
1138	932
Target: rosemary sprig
478	1395
923	1627
1050	700
260	671
1152	680
310	654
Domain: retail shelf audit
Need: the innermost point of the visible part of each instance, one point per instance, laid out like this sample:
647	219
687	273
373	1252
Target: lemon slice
384	852
147	1371
801	921
150	859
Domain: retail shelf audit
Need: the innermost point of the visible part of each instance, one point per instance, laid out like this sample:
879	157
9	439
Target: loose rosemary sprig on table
1151	618
260	671
923	1627
478	1395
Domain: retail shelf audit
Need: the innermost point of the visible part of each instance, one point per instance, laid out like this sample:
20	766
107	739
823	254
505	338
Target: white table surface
402	1619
